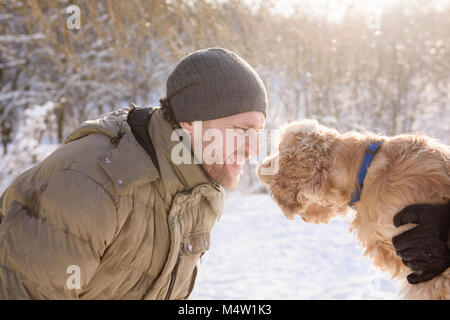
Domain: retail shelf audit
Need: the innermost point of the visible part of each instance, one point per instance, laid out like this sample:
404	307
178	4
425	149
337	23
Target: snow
31	142
256	253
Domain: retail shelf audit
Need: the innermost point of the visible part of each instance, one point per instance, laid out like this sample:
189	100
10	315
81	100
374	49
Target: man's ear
188	127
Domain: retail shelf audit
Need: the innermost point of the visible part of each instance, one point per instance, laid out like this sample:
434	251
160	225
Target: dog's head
298	176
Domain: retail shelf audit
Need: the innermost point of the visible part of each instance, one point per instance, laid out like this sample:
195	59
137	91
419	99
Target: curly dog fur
317	170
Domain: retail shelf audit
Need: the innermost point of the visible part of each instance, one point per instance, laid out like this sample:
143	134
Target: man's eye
239	130
247	131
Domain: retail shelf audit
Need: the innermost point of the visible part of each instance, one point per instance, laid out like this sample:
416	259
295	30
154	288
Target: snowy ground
256	253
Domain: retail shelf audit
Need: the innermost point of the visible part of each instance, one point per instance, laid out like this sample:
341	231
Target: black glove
426	248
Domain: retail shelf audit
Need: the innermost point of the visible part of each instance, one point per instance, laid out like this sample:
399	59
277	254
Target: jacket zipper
173	275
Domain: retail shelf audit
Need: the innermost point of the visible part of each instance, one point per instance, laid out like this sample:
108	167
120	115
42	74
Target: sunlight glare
334	9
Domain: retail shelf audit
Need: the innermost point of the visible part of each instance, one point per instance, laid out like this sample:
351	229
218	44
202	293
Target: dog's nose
262	171
268	168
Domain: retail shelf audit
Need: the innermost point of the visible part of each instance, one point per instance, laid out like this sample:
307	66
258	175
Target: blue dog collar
370	153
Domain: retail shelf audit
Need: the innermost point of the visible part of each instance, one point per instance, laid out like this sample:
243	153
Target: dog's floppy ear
306	153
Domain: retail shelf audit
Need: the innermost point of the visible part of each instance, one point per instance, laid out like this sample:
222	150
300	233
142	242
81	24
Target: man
111	214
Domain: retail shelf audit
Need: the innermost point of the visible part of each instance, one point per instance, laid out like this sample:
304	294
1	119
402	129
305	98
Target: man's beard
219	173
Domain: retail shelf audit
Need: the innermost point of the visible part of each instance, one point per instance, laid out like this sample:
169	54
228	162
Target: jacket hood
124	170
107	124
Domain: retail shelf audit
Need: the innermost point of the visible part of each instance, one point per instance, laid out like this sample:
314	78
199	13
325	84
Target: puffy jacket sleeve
53	235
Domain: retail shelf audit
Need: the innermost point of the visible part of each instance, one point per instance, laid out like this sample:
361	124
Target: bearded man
111	214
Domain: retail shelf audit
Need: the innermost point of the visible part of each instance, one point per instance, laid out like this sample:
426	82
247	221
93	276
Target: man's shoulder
115	164
67	186
83	155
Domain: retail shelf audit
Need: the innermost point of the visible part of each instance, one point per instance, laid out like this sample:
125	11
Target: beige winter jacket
104	212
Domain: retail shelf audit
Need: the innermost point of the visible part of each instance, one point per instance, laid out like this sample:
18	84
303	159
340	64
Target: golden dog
315	173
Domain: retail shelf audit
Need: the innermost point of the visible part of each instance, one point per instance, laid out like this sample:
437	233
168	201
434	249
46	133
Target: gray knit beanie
214	83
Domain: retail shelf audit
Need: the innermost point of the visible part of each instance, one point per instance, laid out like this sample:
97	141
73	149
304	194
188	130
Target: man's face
226	143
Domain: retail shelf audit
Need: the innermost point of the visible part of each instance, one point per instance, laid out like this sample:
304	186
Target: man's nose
252	147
